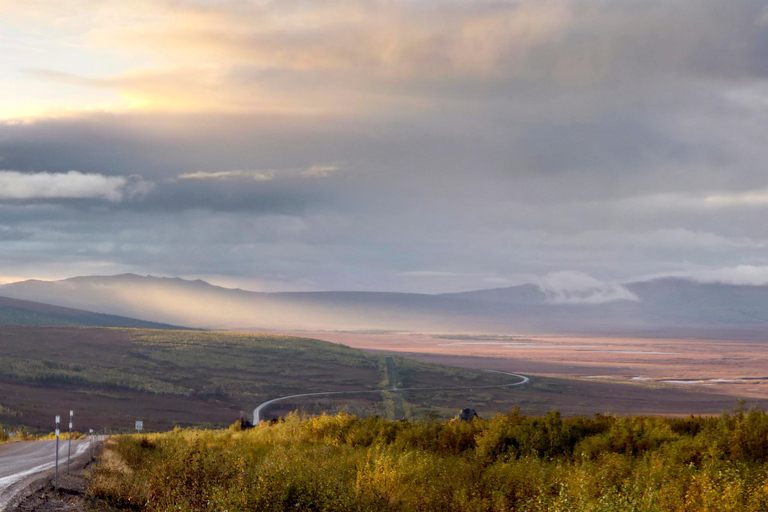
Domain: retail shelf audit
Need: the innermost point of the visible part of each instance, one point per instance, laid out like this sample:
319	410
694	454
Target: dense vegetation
509	462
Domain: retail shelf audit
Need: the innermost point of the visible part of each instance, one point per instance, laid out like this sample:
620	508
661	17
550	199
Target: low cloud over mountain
566	303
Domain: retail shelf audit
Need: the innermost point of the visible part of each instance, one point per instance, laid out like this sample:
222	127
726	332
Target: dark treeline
509	462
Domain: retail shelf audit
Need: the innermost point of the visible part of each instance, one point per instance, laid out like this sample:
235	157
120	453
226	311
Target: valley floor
588	375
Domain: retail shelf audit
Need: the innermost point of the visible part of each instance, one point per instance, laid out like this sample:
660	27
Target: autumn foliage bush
509	462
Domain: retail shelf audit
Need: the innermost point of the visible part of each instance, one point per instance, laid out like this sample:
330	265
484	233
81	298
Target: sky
394	145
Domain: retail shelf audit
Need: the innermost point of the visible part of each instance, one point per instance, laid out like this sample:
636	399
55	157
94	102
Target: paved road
257	411
20	463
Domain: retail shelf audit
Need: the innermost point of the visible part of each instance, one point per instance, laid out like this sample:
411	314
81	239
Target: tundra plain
596	374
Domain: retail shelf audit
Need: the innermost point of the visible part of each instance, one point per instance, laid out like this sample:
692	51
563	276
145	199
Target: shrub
509	462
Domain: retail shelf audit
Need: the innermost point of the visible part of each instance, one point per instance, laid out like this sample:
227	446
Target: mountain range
663	307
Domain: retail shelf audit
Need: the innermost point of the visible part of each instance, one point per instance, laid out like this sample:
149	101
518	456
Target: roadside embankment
36	492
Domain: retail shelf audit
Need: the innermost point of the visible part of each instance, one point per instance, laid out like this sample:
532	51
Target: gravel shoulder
38	494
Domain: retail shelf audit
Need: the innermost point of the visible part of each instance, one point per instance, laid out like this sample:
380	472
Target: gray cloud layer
512	140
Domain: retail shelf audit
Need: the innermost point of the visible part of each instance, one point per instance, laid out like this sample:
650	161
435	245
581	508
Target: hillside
23	312
200	304
674	307
112	377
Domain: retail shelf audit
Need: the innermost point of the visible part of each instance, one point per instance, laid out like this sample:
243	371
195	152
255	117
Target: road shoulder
39	494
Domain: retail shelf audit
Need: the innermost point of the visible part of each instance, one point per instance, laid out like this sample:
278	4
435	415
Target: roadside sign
56	478
69	443
139	425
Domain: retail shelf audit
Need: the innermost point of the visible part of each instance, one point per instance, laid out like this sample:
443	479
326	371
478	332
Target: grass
508	463
169	377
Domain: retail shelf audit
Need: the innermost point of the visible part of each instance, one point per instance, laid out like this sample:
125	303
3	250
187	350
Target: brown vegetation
112	377
510	462
598	374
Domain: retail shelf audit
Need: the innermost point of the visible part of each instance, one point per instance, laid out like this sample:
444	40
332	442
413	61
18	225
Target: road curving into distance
258	410
22	463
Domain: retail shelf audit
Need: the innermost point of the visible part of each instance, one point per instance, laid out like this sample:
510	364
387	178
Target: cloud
69	185
359	55
750	275
571	287
751	198
389	39
315	171
229	175
320	171
490	138
8	234
433	273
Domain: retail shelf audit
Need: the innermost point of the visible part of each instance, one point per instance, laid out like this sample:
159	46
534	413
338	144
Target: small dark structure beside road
242	424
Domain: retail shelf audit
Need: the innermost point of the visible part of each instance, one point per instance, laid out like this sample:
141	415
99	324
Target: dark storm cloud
277	196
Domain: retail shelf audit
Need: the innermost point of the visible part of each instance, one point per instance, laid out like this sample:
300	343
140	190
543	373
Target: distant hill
111	377
200	304
23	312
668	306
665	307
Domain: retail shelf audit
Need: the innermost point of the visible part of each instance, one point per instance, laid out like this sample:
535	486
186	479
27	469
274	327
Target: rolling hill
24	312
112	377
669	306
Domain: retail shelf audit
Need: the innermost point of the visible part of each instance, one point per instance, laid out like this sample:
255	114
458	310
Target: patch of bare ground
70	496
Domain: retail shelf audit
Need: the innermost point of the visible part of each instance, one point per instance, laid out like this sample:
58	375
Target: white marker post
69	452
90	431
56	479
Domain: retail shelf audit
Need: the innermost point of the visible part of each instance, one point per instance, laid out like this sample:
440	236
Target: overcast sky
405	145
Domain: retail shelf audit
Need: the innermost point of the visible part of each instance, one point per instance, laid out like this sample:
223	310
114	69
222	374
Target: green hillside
112	377
23	312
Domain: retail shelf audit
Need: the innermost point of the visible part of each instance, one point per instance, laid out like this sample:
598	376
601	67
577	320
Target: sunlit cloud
389	38
229	175
315	171
335	55
666	201
357	55
752	198
70	185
